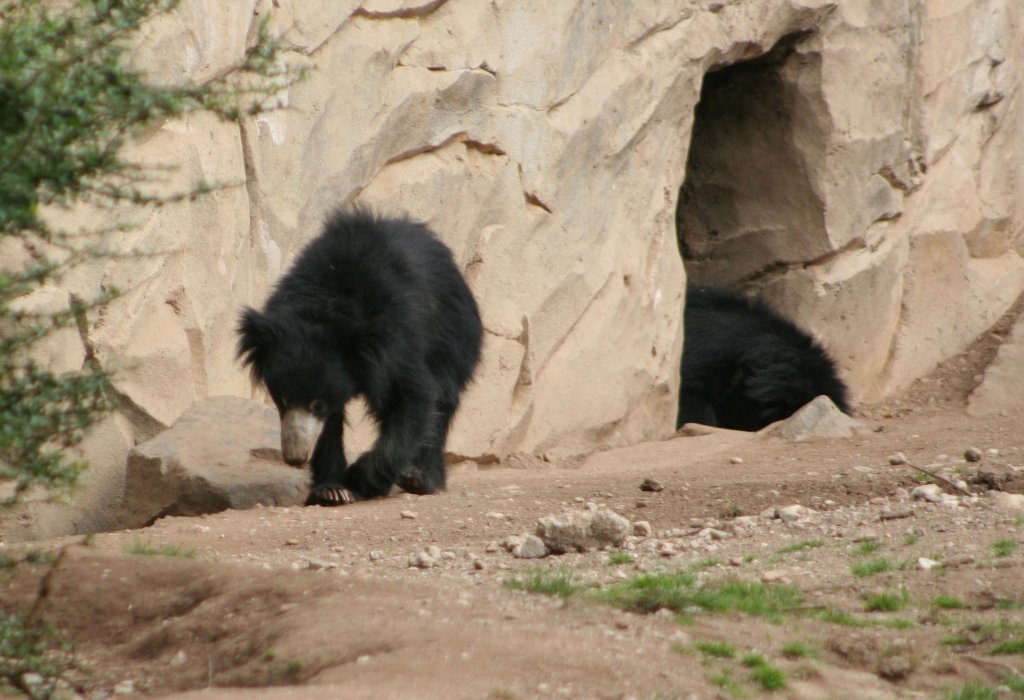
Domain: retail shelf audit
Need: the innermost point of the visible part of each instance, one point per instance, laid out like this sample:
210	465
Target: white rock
927	492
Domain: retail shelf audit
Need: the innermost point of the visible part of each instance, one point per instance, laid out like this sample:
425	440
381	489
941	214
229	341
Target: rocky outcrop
853	162
222	453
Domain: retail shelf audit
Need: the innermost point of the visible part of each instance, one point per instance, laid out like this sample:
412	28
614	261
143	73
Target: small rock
895	513
290	543
735	460
376	555
124	688
407	515
926	564
927	492
897	458
532	547
32	679
642	528
320	565
1008	501
769	513
178	659
794	513
434	552
492	547
421	560
479	565
641	504
494	515
580	530
773	576
973	454
652	485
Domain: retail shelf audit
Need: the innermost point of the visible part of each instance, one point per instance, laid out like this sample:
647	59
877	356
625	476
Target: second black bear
373	307
744	366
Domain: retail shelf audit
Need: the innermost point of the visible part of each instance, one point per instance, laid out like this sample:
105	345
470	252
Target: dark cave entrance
750	212
747	208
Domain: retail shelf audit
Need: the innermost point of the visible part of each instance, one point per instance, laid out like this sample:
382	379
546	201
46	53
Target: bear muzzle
299	431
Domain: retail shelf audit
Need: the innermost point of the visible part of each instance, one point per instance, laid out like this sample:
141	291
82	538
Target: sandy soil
313	602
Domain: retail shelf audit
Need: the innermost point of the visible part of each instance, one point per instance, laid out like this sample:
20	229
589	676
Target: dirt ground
314	602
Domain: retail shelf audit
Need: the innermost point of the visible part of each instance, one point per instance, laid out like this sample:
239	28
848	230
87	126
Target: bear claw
330	495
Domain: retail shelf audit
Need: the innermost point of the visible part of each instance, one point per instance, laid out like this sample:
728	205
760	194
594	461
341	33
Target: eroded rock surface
222	453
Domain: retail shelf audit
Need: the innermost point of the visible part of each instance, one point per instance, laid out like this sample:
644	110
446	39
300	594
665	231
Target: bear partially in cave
744	366
373	307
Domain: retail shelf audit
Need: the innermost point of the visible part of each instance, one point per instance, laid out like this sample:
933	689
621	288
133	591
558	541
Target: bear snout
299	431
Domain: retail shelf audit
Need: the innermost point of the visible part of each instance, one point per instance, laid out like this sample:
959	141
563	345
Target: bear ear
257	333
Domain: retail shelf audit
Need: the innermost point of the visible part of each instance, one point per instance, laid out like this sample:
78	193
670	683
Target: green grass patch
545	581
798	650
164	550
886	601
679	592
1004	548
725	681
719	650
763	673
956	640
871	567
839	617
30	648
945	602
800	546
1010	646
971	691
896	623
866	548
911	539
1015	682
619	559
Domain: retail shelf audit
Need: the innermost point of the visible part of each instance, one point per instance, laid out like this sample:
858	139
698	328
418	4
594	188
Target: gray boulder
222	453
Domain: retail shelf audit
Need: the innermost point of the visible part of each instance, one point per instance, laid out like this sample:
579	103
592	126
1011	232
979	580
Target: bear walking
744	366
373	307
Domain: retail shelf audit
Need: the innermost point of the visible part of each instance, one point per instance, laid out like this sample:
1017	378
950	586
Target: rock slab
222	453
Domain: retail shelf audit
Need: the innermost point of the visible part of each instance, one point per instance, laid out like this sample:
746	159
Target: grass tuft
678	592
798	650
1004	548
546	581
164	550
866	548
871	567
800	546
945	602
1009	646
719	650
886	601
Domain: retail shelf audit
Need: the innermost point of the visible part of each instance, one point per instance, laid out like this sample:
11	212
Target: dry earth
293	602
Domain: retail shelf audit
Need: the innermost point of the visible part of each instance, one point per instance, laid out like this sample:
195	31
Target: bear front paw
330	495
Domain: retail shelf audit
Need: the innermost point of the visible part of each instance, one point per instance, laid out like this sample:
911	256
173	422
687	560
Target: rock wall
853	161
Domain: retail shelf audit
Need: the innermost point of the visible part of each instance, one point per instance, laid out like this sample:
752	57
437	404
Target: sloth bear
373	307
744	366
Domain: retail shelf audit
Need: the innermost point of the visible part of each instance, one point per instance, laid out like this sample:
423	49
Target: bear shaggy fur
373	307
744	366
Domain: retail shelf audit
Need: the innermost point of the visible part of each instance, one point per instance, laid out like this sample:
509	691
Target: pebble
897	458
973	454
421	560
794	513
642	528
320	565
407	515
178	659
124	688
927	492
290	543
926	564
376	555
864	534
495	515
735	460
532	547
773	576
1008	501
652	485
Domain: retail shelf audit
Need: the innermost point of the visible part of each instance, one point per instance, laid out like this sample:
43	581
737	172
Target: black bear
744	366
374	307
